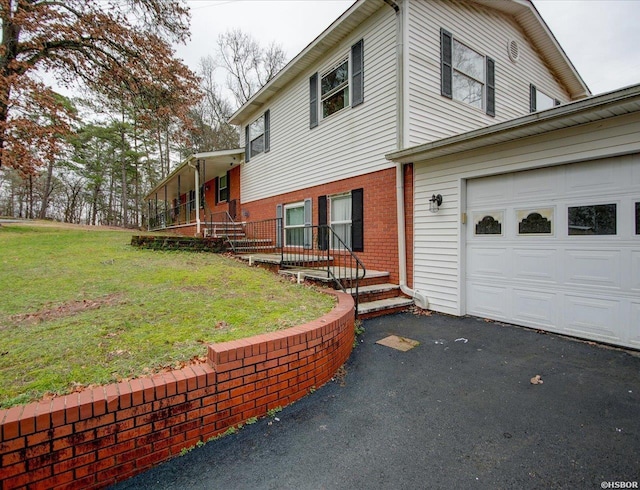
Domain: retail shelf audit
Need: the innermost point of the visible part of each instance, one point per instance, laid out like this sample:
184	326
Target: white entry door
558	249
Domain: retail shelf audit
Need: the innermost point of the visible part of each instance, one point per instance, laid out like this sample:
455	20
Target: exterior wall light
435	202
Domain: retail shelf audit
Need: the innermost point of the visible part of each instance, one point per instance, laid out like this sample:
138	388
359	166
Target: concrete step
383	307
376	292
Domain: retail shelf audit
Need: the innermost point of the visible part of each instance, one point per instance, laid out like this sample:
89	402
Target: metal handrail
320	247
226	222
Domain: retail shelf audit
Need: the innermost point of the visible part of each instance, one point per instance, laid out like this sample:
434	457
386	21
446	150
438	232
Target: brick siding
380	211
99	436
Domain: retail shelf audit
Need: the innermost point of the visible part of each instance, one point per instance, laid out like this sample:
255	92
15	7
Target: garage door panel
488	300
587	285
488	190
536	186
593	177
635	270
489	262
634	330
593	268
593	317
535	264
535	308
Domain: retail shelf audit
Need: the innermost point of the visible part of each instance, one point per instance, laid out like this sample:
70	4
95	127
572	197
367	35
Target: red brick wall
210	195
96	437
380	223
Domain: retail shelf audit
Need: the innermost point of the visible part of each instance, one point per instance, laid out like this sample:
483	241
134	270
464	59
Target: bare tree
249	66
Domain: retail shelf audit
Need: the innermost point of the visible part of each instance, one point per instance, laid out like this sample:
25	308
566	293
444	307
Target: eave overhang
216	163
592	109
307	58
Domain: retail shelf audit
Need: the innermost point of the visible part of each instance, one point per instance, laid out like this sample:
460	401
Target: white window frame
460	72
221	188
344	86
348	222
544	99
254	136
287	226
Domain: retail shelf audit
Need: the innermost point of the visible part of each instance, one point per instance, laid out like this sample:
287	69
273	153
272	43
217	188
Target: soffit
605	106
215	163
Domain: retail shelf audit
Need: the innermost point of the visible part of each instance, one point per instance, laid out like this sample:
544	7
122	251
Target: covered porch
201	191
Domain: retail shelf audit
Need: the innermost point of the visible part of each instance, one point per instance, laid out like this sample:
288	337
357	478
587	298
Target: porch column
198	197
166	208
179	217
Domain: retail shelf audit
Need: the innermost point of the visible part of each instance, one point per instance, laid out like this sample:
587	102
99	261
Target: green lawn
82	307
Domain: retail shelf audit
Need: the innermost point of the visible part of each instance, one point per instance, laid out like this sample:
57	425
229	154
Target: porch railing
182	214
222	225
317	249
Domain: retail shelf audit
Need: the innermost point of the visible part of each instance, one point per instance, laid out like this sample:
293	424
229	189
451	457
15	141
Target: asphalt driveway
457	411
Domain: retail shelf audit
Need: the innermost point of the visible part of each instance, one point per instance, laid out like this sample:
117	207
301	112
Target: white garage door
558	249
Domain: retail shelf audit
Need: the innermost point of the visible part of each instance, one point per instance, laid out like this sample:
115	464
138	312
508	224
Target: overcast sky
601	37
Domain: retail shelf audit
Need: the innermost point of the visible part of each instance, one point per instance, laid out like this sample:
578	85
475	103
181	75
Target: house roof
216	163
596	108
523	11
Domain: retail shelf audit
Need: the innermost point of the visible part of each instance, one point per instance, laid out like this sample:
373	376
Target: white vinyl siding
439	238
432	116
351	142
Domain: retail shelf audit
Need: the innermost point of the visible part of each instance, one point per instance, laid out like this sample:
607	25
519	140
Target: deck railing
317	248
182	214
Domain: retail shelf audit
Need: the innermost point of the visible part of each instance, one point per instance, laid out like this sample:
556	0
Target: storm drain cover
399	343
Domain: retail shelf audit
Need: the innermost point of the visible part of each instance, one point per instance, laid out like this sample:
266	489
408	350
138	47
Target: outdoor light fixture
435	202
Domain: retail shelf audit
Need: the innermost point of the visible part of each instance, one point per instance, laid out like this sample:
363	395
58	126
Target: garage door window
592	220
535	222
488	223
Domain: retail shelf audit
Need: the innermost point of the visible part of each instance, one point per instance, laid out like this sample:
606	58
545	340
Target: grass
81	307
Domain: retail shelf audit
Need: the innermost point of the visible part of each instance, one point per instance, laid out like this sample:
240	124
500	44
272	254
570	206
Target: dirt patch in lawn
68	309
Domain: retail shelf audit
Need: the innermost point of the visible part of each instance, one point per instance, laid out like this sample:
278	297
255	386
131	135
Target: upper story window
341	86
466	75
334	88
539	101
257	136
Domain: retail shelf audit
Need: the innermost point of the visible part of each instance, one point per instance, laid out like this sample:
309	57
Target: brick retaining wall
99	436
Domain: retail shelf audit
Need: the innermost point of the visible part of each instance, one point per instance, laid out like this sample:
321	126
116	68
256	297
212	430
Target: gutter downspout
196	167
401	104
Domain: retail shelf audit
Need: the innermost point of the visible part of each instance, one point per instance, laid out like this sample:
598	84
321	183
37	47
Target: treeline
92	158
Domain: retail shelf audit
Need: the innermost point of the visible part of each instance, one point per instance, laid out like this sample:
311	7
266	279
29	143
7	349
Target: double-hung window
223	188
257	136
339	86
294	225
334	88
539	101
340	214
466	75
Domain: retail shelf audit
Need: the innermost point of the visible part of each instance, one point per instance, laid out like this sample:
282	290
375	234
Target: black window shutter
357	73
313	101
267	130
308	219
357	220
247	145
323	236
446	63
491	87
228	185
532	98
279	225
215	188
